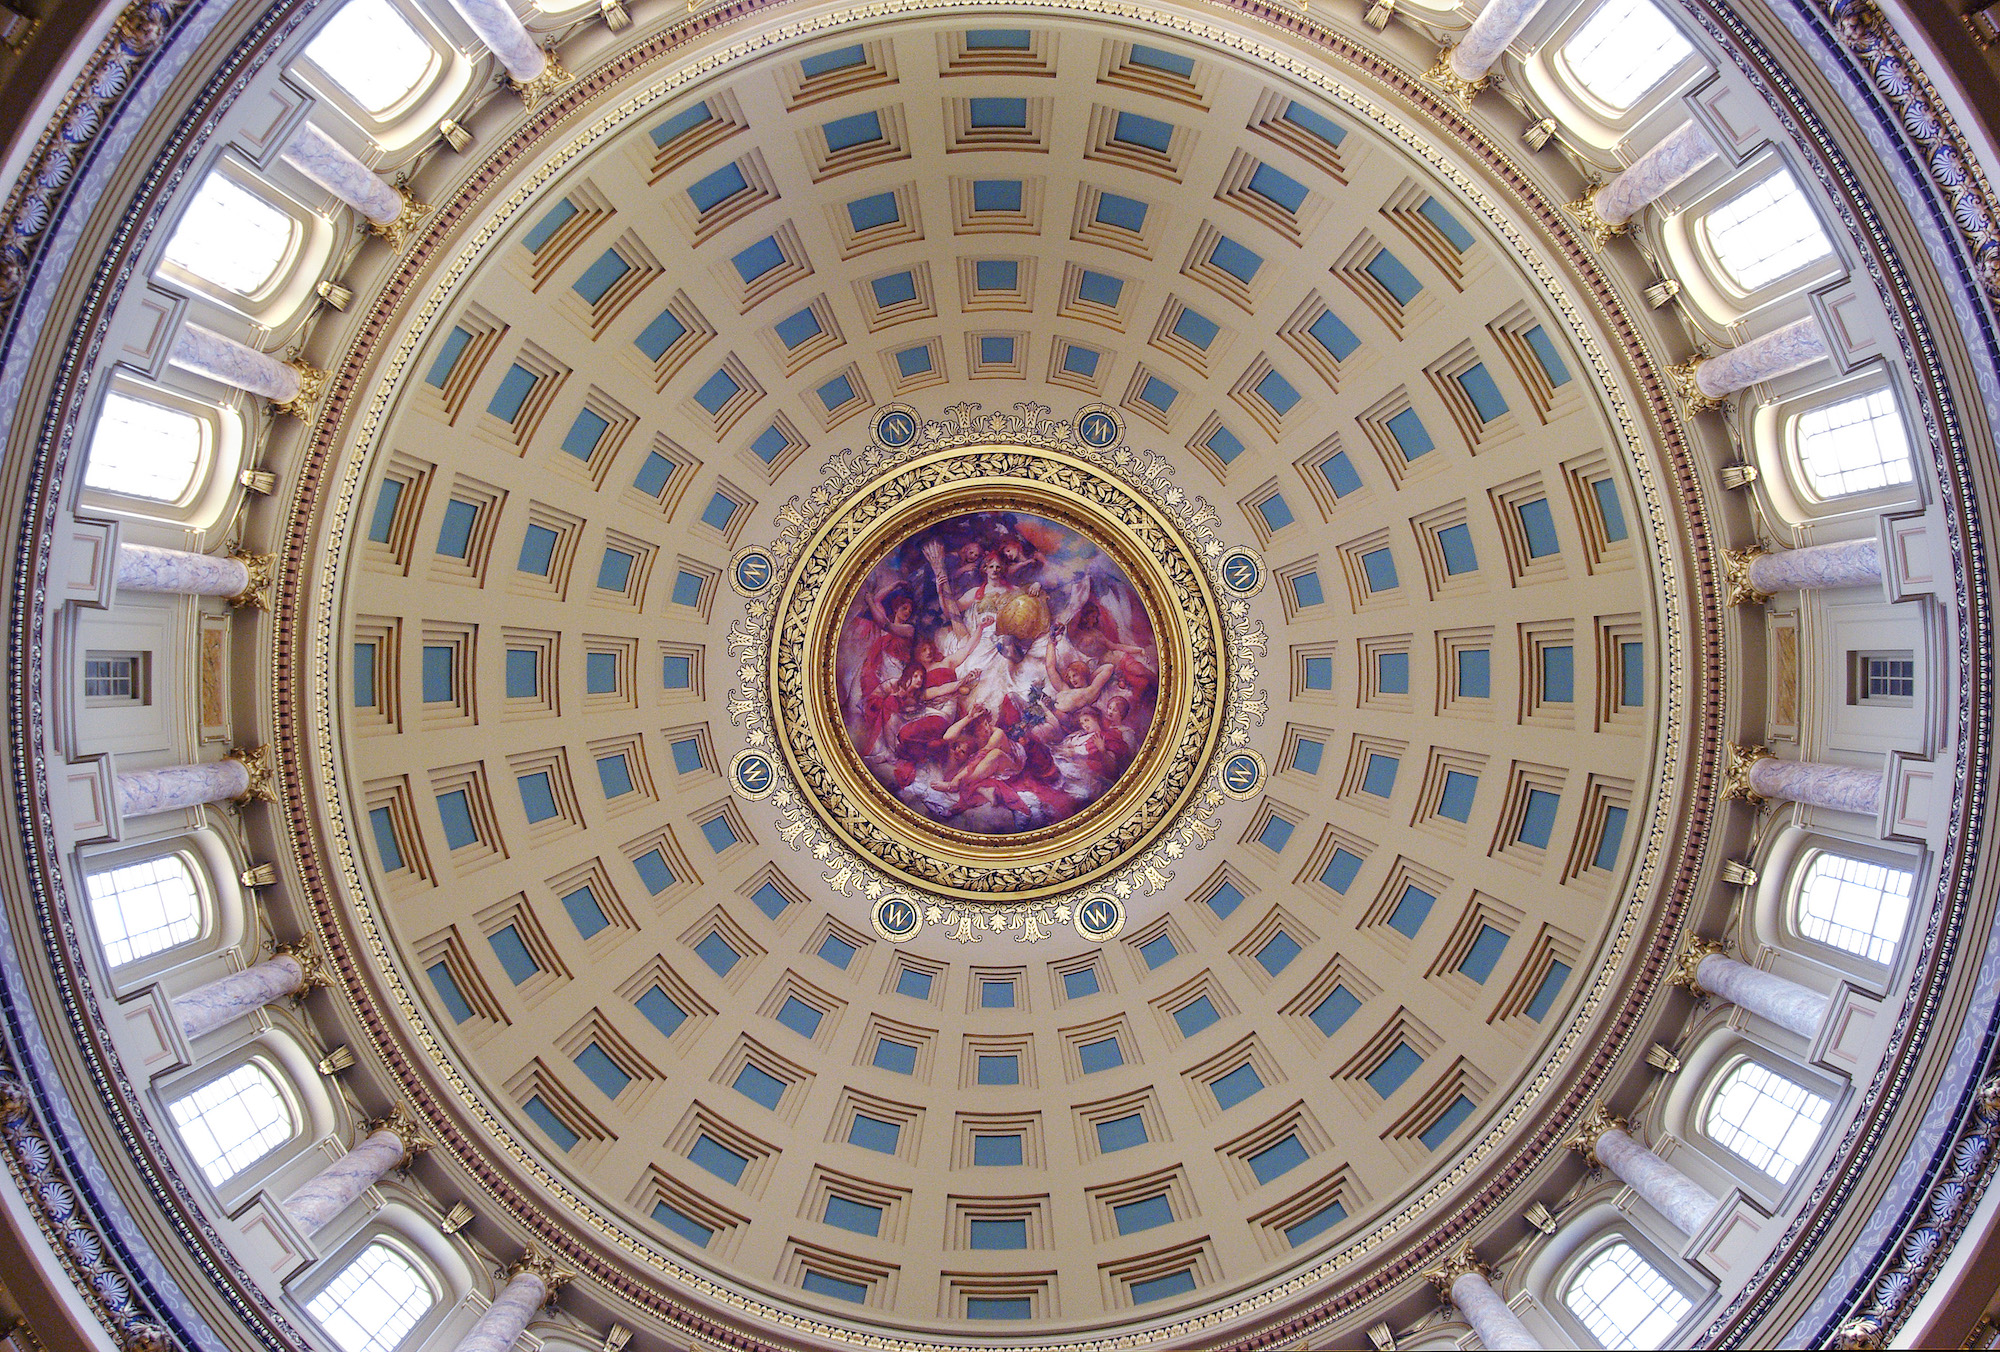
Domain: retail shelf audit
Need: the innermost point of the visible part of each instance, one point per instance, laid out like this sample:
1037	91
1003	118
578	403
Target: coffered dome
958	676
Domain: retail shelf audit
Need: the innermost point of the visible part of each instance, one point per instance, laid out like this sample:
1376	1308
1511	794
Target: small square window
1103	1054
1340	870
1392	673
1277	833
1080	983
1237	1085
837	951
996	1151
996	194
1159	950
1379	778
913	983
1412	909
998	1069
1335	1010
661	1011
1306	589
1278	952
799	1016
1474	671
1882	679
897	1057
1307	753
996	994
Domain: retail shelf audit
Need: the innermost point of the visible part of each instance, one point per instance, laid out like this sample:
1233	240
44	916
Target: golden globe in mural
998	672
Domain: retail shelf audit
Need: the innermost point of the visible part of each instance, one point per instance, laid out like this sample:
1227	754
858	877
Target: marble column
531	1283
206	1008
147	568
1781	350
1497	25
143	792
328	163
390	1144
501	29
1845	563
1465	1283
1684	1202
1767	995
1667	165
1754	774
232	363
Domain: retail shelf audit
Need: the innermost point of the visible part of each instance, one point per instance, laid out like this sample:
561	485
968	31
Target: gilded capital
1736	773
263	570
552	78
1458	1265
552	1275
1592	1131
1584	210
1693	399
312	967
256	763
1736	576
312	383
397	232
1451	82
403	1125
1687	966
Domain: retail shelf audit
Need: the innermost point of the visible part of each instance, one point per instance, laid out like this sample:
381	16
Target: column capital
1462	1262
400	1123
263	570
256	763
1451	82
1687	967
1694	399
551	1274
1736	574
397	232
1592	1130
312	967
1736	773
552	78
312	381
1584	211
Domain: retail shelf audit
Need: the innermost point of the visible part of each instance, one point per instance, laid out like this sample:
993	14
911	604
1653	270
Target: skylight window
1854	446
1766	1118
372	1304
1624	50
1854	904
1623	1300
373	53
1766	232
144	907
233	1121
231	237
143	449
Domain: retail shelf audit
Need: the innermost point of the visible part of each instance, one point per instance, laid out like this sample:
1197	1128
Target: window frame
290	285
412	119
211	488
261	1167
1723	1059
1707	284
1614	1229
1791	887
1683	73
1787	488
1586	118
397	1243
223	911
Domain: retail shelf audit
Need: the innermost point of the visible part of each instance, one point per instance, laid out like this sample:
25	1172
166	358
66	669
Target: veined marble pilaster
144	792
1683	1202
328	163
1762	358
332	1190
1765	994
208	353
1683	151
1844	563
147	568
1464	1282
1497	25
531	1283
502	30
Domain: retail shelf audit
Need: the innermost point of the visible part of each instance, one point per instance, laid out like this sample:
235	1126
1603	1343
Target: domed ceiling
754	1047
951	675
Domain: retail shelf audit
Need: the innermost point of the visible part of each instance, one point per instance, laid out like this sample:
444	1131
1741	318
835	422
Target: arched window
1854	445
233	1121
231	237
1623	50
374	54
1764	1118
1767	231
1858	905
144	907
372	1304
1624	1300
143	449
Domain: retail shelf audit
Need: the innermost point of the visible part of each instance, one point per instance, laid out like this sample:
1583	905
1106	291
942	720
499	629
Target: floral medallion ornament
996	671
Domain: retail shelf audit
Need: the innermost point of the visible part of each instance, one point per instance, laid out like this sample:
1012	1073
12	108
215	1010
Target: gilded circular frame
1166	773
